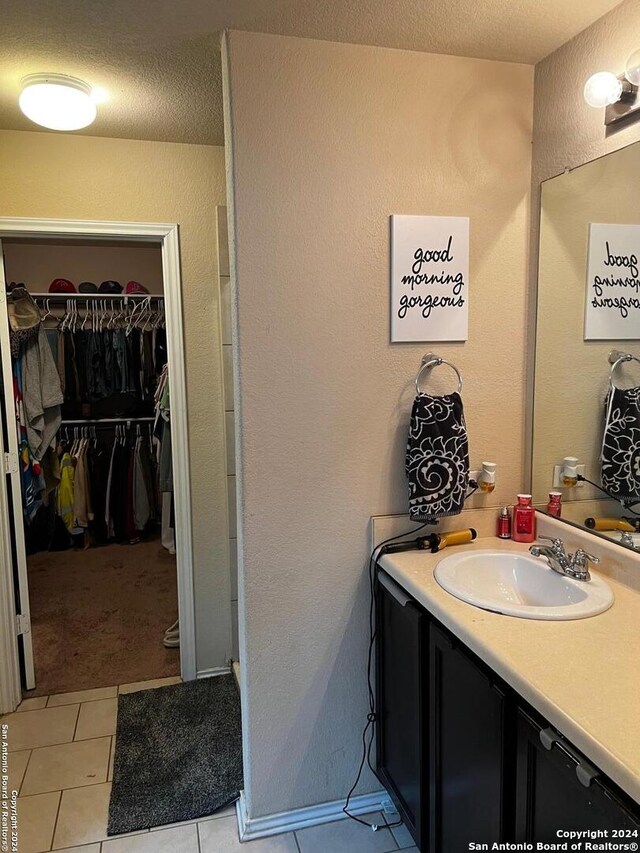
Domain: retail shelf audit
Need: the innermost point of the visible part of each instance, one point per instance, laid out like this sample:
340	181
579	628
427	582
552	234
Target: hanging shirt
66	492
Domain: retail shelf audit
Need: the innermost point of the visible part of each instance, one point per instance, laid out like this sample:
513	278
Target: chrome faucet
572	565
628	540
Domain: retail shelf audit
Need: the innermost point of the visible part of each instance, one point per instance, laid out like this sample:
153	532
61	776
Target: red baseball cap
61	285
135	287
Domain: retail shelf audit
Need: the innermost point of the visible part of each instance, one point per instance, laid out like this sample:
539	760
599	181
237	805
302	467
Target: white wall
59	176
325	141
569	133
38	262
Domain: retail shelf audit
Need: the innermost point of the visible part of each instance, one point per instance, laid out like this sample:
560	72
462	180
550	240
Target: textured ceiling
159	60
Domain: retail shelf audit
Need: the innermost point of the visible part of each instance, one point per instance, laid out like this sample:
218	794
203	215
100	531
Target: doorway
117	591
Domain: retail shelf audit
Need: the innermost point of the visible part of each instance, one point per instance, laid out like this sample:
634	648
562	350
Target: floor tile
30	729
179	839
97	719
401	834
36	820
86	848
33	704
346	836
82	818
16	765
149	685
69	765
229	811
82	696
222	835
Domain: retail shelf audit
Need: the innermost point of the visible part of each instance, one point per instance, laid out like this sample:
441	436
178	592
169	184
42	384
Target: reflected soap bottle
524	520
554	507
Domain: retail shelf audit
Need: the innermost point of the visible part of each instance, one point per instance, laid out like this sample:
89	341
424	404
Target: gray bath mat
178	754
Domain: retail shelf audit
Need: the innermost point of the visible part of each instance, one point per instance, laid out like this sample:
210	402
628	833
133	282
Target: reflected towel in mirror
621	444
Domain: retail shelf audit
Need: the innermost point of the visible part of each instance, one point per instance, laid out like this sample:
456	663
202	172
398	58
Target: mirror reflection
586	421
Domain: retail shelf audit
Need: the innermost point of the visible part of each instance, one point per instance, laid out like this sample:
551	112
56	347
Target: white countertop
582	675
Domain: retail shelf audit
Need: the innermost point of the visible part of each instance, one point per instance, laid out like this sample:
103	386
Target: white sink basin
520	585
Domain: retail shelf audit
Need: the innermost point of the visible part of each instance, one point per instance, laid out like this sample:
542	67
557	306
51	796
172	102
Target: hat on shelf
135	287
87	287
110	286
61	285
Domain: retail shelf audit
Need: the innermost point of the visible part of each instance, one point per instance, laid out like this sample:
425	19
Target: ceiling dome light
602	89
57	102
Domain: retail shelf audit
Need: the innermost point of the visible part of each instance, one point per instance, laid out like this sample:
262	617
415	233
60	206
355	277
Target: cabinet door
400	690
469	757
557	789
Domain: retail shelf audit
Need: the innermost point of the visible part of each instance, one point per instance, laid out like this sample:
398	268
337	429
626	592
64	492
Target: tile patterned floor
61	763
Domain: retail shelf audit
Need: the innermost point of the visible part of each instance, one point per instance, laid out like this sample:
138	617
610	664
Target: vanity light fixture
618	95
57	101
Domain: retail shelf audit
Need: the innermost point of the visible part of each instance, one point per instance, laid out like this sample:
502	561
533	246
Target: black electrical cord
624	504
474	485
372	717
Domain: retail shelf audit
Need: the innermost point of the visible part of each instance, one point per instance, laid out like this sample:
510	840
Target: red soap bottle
524	520
554	507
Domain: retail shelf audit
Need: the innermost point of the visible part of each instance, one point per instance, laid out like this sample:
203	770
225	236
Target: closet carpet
98	616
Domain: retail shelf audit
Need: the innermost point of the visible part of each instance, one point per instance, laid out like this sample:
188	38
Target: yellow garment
65	496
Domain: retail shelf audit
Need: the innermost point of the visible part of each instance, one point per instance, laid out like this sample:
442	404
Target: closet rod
83	421
62	297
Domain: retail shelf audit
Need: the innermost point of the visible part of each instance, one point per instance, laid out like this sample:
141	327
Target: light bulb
632	68
57	102
602	89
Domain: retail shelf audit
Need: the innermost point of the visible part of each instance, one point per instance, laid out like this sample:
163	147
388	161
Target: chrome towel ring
431	360
617	358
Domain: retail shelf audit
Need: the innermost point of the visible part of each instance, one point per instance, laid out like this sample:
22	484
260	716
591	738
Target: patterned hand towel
621	444
437	461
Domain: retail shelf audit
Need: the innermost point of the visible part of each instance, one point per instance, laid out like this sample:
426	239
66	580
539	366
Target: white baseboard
261	827
215	670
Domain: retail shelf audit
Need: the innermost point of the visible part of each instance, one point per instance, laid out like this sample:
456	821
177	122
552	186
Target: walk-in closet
90	404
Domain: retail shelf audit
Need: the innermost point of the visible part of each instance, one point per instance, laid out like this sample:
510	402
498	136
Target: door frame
166	235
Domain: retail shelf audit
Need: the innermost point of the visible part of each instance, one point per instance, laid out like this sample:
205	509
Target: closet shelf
84	421
64	296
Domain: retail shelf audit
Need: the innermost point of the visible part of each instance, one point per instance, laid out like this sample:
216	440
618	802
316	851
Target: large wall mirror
588	324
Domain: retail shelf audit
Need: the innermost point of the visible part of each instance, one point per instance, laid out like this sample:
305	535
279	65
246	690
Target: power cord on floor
372	717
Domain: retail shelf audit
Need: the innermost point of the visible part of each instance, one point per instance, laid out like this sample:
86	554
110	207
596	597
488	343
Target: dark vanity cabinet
468	754
401	670
557	787
462	756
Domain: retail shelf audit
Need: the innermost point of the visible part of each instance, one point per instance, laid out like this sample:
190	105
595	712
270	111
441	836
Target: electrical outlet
474	475
557	472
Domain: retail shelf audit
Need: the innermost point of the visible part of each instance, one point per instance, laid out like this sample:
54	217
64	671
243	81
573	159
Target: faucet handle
581	558
556	543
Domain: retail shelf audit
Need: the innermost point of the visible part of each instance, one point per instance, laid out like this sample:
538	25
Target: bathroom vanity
524	727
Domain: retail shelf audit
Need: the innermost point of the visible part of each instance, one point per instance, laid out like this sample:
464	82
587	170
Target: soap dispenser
524	520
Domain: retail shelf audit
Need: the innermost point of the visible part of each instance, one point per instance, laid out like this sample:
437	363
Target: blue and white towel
437	461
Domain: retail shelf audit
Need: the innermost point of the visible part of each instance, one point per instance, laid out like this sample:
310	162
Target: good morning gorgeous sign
429	278
613	283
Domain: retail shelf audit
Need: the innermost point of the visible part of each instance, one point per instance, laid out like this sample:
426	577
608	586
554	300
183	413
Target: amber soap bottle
524	520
